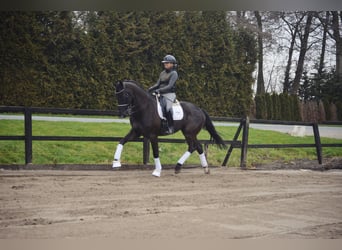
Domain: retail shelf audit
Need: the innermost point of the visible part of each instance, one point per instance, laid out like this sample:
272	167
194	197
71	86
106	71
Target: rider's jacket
166	82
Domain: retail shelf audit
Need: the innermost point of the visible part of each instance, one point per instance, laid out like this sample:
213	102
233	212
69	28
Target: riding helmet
169	58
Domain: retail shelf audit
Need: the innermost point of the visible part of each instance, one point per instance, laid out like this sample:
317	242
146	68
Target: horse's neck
143	99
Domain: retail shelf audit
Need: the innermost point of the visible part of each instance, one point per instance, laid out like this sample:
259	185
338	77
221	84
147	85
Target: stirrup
169	131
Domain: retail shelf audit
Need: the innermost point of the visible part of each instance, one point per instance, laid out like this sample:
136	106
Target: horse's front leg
155	149
117	155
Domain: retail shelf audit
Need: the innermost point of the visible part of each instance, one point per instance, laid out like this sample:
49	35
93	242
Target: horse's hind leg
186	155
204	163
193	144
202	157
181	161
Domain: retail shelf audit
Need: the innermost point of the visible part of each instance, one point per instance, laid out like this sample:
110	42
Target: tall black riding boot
169	119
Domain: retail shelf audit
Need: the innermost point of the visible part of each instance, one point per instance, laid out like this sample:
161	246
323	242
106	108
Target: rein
118	92
129	106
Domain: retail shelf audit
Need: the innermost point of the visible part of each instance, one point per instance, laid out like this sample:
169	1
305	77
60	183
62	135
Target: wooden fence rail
235	143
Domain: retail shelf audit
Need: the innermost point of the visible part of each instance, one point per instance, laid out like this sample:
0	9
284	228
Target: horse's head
125	99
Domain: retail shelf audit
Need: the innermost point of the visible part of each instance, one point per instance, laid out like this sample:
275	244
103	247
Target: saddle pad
177	111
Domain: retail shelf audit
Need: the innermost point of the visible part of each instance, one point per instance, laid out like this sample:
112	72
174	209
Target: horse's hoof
206	170
116	164
156	173
177	168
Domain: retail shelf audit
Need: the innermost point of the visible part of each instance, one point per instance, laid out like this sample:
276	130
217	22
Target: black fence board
243	145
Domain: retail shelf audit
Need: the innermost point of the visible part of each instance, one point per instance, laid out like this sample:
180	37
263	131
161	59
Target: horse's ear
119	86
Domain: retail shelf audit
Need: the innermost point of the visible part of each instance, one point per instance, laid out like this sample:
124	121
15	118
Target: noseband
129	106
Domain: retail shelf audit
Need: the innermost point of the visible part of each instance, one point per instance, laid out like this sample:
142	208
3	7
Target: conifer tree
72	59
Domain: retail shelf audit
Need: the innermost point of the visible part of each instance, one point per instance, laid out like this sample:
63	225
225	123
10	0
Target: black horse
135	102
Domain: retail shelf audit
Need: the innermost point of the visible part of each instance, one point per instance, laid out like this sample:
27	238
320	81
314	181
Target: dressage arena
131	204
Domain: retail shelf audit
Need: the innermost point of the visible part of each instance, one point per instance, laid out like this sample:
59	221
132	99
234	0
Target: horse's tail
209	126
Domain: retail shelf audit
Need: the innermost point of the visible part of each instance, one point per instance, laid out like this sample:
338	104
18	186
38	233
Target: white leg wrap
184	157
203	160
118	151
158	167
117	155
157	163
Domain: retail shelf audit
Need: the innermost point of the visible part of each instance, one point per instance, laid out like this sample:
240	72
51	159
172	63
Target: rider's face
168	65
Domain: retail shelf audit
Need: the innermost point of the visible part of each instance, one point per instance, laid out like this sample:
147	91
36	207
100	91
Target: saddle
177	110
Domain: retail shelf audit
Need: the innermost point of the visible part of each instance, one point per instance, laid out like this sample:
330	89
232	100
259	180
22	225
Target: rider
166	87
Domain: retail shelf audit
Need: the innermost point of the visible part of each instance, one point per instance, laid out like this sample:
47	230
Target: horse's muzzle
123	111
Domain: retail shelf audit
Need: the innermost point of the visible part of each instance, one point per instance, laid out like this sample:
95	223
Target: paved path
325	131
63	119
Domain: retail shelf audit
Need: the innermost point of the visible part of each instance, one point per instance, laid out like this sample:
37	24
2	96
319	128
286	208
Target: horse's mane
136	84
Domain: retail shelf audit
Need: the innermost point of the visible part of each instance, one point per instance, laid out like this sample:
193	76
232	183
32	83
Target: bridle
129	106
119	92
